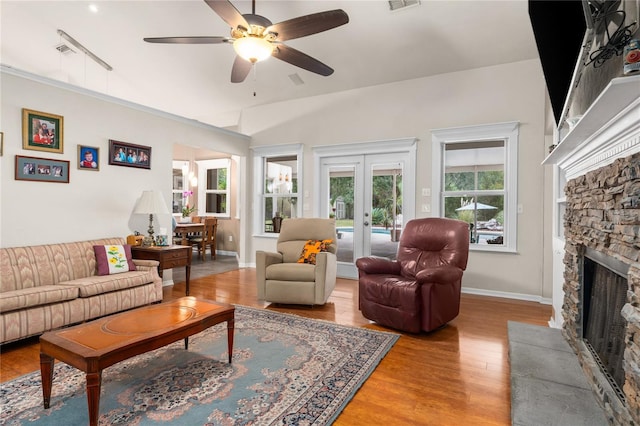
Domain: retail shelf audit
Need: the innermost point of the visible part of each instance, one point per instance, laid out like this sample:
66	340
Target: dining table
184	229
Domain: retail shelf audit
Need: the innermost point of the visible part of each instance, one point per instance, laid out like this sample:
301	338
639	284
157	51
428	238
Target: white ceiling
377	46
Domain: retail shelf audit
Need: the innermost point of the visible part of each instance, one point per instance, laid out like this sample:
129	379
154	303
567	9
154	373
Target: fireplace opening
604	292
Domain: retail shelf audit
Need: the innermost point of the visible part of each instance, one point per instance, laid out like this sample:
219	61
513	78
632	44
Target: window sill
488	248
267	235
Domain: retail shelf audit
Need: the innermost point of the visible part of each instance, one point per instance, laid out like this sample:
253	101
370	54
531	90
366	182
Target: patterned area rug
286	370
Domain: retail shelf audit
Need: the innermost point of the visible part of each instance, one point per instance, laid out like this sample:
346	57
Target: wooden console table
168	256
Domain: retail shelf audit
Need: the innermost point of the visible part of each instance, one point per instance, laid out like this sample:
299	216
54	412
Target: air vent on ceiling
399	4
63	48
297	80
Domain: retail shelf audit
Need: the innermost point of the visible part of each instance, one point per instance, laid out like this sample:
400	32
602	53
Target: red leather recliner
420	291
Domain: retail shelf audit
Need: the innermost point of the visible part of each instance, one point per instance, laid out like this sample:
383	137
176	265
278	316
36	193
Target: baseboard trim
507	295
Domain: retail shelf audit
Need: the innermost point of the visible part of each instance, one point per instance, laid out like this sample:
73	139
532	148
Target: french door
371	196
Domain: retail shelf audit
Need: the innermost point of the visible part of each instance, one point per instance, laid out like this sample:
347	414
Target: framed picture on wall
42	131
41	169
129	155
1	144
88	158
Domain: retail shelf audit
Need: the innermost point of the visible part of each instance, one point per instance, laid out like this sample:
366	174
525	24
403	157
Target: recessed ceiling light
93	8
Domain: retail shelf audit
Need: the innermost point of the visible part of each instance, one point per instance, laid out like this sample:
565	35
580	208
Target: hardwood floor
458	375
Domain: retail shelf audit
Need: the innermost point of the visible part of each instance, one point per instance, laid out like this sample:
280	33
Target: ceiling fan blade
309	24
240	70
189	40
302	60
228	13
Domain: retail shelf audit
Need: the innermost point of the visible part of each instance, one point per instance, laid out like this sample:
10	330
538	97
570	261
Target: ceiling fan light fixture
253	49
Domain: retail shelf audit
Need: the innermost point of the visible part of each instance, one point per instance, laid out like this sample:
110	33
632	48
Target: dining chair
195	238
208	238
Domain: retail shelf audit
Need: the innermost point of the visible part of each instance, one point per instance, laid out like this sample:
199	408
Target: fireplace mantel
609	129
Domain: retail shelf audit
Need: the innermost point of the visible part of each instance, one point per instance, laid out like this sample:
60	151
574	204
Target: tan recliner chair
281	279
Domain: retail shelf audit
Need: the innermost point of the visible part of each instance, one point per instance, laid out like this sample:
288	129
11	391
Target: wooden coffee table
96	345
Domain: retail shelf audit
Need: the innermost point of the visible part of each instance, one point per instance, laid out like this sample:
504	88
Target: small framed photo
1	144
42	131
88	158
42	169
129	155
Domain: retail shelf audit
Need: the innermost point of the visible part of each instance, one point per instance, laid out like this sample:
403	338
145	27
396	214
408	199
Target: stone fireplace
602	222
603	215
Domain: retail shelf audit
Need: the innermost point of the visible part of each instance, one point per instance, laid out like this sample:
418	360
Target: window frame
183	166
203	167
509	133
260	157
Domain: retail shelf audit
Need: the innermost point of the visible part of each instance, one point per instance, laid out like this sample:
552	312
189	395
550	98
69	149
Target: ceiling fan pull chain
255	78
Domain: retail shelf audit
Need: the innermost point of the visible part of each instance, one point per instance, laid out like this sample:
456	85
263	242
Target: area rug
286	370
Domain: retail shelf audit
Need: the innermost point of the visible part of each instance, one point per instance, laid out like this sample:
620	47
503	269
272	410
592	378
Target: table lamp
151	202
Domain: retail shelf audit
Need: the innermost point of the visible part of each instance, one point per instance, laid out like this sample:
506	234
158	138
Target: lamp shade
151	202
253	49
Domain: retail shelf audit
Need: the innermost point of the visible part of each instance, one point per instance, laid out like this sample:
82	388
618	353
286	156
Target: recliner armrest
440	275
264	259
378	265
268	257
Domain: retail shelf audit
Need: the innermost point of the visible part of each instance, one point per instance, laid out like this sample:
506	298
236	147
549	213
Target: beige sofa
49	286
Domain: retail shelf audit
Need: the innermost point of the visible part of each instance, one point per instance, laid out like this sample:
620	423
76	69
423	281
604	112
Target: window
180	185
476	180
214	195
277	185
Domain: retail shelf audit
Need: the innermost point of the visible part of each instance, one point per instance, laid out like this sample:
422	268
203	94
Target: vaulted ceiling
377	46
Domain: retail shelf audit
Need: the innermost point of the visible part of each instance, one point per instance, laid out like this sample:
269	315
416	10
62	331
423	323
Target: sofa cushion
311	249
35	296
291	272
99	284
114	259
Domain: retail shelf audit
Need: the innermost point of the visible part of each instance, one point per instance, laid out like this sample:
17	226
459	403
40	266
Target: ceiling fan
255	38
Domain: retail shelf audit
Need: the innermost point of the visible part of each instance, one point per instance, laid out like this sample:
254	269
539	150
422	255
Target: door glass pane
341	202
385	222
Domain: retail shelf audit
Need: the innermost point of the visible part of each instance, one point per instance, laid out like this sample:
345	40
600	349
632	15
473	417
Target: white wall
93	204
99	204
511	92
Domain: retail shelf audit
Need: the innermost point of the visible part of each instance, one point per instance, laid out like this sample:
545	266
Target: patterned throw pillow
311	249
114	259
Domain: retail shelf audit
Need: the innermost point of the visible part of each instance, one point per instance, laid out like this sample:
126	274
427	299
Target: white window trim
203	167
503	131
259	154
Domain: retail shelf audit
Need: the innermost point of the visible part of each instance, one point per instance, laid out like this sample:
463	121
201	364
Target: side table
168	256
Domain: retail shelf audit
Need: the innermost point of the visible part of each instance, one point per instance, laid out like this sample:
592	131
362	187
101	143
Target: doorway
371	196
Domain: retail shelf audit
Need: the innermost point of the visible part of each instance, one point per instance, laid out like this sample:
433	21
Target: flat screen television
560	31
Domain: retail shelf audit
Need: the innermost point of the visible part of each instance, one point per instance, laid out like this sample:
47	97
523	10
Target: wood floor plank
456	375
